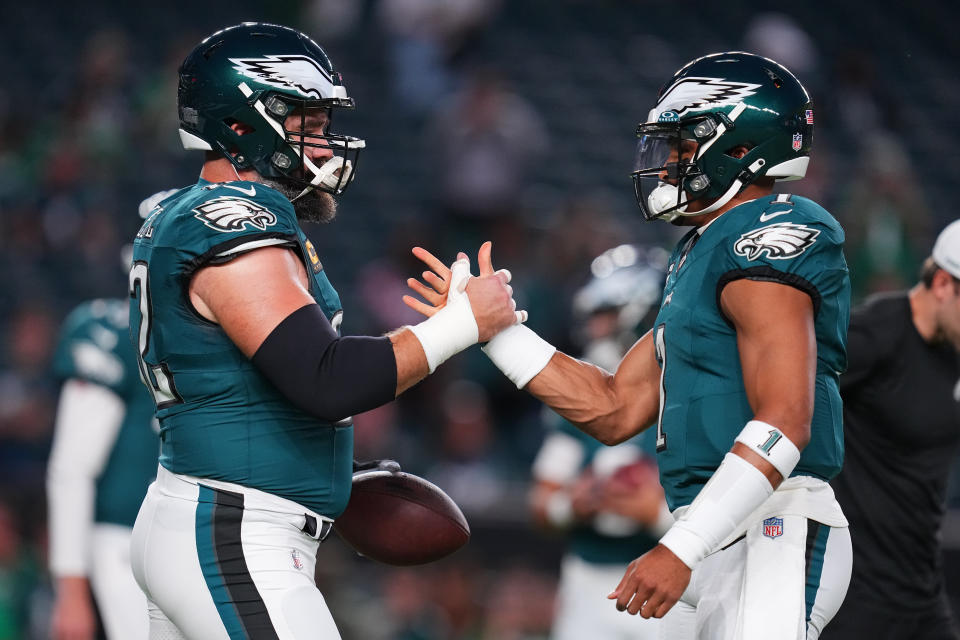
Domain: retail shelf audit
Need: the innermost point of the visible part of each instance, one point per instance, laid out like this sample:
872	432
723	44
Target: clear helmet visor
657	169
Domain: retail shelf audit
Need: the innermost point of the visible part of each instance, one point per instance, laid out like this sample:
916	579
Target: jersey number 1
662	357
161	384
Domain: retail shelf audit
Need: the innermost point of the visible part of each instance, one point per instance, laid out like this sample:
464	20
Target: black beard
315	206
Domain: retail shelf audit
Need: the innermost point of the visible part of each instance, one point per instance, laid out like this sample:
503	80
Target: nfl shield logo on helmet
797	141
773	527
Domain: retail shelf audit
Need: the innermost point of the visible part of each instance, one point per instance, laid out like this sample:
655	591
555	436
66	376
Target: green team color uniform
94	346
220	418
785	239
584	540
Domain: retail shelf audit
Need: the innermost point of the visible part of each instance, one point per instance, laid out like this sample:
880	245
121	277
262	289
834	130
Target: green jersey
220	418
94	347
703	404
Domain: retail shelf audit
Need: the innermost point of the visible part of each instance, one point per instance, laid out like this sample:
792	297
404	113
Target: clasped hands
490	294
652	583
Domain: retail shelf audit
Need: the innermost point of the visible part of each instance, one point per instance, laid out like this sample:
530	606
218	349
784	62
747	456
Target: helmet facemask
290	161
663	163
670	166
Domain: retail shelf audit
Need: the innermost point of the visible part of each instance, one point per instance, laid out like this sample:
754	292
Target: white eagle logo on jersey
228	213
300	73
689	94
780	241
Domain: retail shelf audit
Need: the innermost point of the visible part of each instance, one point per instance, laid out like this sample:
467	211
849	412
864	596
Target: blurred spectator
779	37
410	607
885	217
331	20
860	101
469	467
26	399
425	36
485	140
519	606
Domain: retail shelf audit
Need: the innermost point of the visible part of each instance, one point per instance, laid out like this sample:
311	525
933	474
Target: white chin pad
334	171
664	197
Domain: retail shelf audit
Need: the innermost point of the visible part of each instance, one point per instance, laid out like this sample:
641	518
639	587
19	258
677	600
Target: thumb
484	259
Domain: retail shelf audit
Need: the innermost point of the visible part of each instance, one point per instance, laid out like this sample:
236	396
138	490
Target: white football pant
786	580
220	561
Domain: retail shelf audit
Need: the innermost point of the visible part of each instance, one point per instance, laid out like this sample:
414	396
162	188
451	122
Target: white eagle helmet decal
297	72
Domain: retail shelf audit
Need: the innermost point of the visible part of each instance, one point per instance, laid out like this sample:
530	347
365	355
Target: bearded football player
739	375
237	332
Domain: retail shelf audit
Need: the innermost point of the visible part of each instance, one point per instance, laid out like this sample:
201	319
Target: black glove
376	465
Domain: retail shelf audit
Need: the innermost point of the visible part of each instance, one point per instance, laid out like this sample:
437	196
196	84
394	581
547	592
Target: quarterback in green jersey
739	373
237	332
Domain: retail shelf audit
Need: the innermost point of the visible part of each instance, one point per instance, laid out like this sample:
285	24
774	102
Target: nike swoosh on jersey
251	191
765	216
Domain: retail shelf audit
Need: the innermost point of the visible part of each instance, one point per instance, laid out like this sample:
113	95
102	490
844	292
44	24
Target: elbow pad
328	376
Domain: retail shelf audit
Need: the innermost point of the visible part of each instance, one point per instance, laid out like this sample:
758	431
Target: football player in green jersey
739	373
236	328
606	500
104	456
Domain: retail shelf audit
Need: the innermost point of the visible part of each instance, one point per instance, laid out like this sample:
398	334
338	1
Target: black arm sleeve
327	376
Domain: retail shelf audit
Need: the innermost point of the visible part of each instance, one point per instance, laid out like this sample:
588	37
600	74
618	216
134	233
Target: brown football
401	519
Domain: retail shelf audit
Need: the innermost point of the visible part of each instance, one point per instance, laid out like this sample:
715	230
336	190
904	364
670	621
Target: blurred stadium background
507	120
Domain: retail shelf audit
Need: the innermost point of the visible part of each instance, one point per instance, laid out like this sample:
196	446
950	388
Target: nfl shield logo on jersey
773	527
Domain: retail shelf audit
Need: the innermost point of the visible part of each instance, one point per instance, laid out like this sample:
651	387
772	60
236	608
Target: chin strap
667	193
732	191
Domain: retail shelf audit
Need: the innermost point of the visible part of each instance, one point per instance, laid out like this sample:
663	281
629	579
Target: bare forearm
586	395
411	361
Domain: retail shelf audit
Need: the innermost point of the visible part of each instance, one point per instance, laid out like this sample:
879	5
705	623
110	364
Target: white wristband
732	493
519	353
453	328
772	445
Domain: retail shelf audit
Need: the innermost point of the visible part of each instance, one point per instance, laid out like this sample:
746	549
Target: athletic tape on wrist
732	493
453	328
519	353
772	445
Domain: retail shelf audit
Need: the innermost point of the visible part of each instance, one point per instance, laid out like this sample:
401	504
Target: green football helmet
264	76
710	107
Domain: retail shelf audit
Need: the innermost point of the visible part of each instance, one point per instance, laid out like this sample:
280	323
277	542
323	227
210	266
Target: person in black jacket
902	429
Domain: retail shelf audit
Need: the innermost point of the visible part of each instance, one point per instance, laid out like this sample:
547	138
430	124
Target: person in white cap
902	429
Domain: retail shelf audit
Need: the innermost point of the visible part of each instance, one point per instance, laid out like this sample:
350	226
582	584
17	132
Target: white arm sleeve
88	421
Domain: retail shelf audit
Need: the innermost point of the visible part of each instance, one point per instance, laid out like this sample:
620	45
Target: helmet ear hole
240	128
738	151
